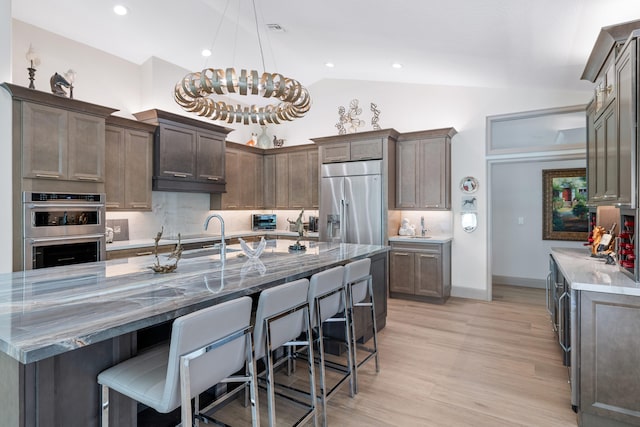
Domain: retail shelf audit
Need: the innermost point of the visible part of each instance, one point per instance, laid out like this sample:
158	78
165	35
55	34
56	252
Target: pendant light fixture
197	92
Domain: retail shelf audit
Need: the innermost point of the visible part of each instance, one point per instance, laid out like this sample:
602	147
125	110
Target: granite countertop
434	238
592	274
205	237
50	311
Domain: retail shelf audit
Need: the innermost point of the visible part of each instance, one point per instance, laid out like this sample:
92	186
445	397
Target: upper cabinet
244	168
423	171
612	137
128	160
291	178
60	141
189	154
350	151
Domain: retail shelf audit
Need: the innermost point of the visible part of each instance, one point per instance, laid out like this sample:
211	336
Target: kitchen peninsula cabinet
128	159
189	154
423	169
58	143
420	271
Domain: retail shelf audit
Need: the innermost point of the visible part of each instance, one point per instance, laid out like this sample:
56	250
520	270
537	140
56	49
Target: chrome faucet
223	245
423	230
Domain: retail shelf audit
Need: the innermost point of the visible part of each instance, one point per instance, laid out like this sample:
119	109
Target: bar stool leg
104	404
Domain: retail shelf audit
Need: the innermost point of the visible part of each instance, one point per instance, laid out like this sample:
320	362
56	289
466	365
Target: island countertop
51	311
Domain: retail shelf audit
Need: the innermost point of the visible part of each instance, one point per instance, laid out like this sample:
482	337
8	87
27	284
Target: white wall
109	81
518	250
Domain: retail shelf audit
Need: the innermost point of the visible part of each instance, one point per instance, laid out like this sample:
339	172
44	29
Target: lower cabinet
420	271
609	383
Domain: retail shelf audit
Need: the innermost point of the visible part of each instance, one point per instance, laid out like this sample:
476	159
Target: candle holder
34	61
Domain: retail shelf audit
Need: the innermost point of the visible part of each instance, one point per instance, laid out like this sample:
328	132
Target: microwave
263	222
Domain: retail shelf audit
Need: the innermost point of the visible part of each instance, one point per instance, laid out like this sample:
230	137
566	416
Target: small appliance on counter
263	222
313	223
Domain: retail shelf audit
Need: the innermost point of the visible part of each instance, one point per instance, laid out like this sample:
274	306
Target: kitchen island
60	327
597	316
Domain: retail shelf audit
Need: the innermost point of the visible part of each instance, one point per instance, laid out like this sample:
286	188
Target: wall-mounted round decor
469	184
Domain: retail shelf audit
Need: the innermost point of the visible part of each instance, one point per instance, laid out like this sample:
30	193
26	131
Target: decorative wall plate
469	184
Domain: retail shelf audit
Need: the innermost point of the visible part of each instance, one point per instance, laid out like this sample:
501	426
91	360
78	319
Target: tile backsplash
185	213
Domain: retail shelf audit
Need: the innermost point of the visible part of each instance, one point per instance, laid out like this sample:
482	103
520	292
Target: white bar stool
207	347
359	285
281	317
328	298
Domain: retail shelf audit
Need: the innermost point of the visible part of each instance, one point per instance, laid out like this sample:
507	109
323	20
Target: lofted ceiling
485	43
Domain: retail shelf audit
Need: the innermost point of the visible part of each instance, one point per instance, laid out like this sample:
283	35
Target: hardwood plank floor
464	363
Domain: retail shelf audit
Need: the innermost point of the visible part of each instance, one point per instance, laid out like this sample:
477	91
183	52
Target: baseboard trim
518	281
470	293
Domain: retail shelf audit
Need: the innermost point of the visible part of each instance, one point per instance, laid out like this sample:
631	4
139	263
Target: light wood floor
464	363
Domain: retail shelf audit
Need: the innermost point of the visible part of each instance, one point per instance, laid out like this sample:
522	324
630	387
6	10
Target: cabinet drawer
435	248
366	150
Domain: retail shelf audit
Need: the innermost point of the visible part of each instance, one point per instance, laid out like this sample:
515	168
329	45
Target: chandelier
196	93
193	92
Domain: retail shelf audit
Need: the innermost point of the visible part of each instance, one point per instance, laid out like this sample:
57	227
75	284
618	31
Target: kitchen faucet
423	230
223	245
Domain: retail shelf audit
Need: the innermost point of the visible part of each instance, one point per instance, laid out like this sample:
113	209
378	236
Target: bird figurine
277	142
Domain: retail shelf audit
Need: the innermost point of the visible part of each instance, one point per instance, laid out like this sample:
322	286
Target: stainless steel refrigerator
351	203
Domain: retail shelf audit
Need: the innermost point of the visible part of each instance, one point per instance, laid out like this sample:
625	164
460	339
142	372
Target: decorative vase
263	139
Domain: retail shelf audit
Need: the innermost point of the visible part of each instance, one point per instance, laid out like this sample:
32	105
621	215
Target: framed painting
564	204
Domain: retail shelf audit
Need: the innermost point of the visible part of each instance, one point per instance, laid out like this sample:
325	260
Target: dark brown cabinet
128	160
291	178
423	169
244	171
57	139
420	271
189	154
367	149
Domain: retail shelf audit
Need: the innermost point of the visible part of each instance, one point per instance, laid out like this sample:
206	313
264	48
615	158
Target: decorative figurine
175	254
406	229
300	229
263	139
376	117
34	61
57	84
349	122
254	139
277	143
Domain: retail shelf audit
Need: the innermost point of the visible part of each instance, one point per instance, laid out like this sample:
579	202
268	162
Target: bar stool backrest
276	300
322	283
198	329
357	272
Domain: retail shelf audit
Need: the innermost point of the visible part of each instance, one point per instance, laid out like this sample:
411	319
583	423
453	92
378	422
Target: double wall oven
63	228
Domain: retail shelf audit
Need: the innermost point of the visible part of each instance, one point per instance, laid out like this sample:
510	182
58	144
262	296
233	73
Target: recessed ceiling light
120	10
396	65
206	52
329	64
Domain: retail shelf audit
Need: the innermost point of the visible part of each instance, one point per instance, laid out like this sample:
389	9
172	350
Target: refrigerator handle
343	221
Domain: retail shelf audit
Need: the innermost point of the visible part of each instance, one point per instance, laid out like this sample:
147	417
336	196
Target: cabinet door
612	153
600	147
334	153
314	171
114	182
626	76
231	199
269	181
433	174
210	159
86	148
366	150
44	141
406	174
401	278
282	181
137	169
176	152
428	274
592	157
248	172
299	180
